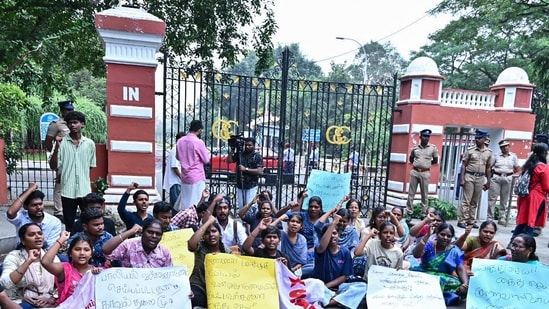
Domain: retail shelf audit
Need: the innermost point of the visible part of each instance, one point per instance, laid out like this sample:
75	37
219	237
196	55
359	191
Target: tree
382	62
43	41
13	103
489	36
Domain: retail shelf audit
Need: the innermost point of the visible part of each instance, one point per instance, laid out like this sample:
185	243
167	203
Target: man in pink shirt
192	154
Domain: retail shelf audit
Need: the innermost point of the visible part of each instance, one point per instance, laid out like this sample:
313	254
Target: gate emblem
334	135
221	129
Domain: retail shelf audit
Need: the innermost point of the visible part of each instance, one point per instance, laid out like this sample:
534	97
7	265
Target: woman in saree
483	246
441	258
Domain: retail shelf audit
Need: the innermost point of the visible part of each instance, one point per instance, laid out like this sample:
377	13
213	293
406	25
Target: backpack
523	182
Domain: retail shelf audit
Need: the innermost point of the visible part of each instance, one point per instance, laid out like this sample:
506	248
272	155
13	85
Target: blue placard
45	121
506	285
311	135
331	187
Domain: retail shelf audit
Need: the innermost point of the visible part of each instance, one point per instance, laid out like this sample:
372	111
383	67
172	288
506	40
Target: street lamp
365	60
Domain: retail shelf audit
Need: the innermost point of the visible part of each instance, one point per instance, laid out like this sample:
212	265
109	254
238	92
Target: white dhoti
190	195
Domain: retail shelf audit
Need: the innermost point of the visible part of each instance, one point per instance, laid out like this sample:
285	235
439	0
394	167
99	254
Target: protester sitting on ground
93	228
382	250
354	206
523	250
333	266
270	237
163	212
441	258
483	246
309	230
404	241
68	274
94	200
234	233
254	217
380	215
33	212
23	272
6	302
206	239
141	201
139	253
292	244
433	219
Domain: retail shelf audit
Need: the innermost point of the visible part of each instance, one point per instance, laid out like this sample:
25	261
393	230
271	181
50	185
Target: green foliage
43	41
487	37
96	120
449	210
101	185
13	104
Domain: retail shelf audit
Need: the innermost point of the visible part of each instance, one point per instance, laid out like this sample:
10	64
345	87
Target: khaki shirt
505	164
58	128
477	159
422	157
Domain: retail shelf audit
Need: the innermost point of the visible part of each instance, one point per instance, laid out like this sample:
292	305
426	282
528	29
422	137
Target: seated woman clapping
22	270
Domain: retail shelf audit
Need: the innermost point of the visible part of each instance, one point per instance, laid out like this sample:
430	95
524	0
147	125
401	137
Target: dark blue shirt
129	218
329	266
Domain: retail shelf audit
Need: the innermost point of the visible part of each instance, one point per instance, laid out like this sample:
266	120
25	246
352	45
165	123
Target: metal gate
304	113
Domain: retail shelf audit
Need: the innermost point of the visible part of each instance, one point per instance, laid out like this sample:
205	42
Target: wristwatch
246	169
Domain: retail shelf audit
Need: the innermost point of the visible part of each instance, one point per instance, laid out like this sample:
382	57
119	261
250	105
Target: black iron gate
332	116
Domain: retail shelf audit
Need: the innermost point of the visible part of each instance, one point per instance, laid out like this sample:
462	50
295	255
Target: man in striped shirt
76	156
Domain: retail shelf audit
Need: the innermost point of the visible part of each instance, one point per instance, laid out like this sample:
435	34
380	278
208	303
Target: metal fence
331	116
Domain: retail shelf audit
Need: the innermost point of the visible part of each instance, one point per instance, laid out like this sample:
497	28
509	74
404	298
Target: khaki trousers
499	187
422	179
472	190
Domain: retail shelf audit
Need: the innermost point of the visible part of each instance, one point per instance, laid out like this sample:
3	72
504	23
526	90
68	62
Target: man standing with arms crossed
421	157
474	173
505	164
192	154
76	158
56	131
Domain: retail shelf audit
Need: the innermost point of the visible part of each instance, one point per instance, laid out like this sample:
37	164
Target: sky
315	24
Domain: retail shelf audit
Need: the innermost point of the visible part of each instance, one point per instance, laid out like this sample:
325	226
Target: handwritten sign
504	284
176	242
240	282
166	287
331	187
391	288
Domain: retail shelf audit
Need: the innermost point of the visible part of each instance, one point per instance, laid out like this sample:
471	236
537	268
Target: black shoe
461	225
475	226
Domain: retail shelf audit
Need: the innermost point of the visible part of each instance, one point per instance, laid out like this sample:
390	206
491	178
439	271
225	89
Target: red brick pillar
131	37
420	90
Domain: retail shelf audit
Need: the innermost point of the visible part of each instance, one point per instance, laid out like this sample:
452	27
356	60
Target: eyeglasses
516	246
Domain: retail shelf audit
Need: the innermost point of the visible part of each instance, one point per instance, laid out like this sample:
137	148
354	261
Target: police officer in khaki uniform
474	173
56	131
504	165
421	157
